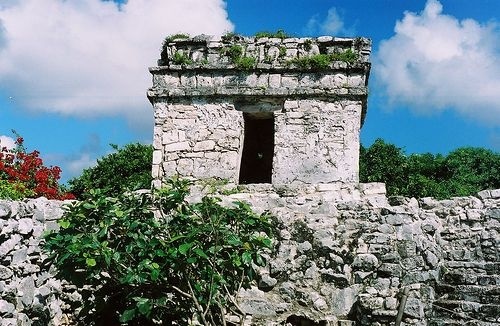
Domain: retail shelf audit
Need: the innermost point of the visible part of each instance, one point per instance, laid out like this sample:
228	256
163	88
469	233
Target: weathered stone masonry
204	109
344	257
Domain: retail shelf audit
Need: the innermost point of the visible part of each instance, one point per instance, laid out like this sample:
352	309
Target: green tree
383	162
154	257
463	172
471	170
426	176
129	168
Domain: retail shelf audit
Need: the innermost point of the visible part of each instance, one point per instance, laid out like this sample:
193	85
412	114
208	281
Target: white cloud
75	165
333	24
89	57
435	62
6	141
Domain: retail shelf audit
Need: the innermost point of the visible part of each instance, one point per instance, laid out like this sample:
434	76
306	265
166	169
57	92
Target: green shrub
179	36
463	172
181	58
278	34
14	190
346	56
156	257
246	63
324	61
166	41
235	54
129	168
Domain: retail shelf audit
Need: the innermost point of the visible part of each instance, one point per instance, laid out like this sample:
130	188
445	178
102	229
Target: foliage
383	162
462	172
282	51
181	59
246	63
235	54
129	168
323	61
308	44
166	41
278	34
154	257
230	37
179	36
348	56
23	174
14	190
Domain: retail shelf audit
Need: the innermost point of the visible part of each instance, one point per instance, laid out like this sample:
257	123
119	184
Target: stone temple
260	110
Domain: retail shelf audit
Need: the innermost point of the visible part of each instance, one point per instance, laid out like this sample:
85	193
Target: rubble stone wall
29	293
345	256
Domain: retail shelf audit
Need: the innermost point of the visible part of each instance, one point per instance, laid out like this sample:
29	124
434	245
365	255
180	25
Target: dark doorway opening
258	148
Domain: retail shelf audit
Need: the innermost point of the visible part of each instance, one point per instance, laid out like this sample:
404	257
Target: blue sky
73	74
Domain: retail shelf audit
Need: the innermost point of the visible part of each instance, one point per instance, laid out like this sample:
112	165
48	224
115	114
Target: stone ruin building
281	119
267	110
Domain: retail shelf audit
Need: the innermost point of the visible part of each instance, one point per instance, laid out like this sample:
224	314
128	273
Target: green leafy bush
278	34
153	258
323	61
235	54
129	168
181	59
462	172
14	190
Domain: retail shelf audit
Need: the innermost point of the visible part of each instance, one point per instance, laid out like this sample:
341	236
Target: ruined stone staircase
468	291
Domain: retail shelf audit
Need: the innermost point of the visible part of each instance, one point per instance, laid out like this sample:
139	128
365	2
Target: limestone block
19	256
185	166
171	79
4	209
8	245
365	262
27	291
355	81
6	309
324	39
495	193
205	145
169	168
188	80
254	302
289	81
342	300
5	273
157	157
180	146
275	80
204	81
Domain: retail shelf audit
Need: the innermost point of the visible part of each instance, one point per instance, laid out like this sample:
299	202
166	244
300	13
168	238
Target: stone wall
29	293
200	107
346	255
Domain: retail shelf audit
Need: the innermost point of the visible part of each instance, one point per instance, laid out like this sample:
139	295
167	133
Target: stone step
486	266
466	310
489	294
469	278
455	322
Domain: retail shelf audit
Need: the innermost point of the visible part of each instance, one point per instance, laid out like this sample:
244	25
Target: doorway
258	148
